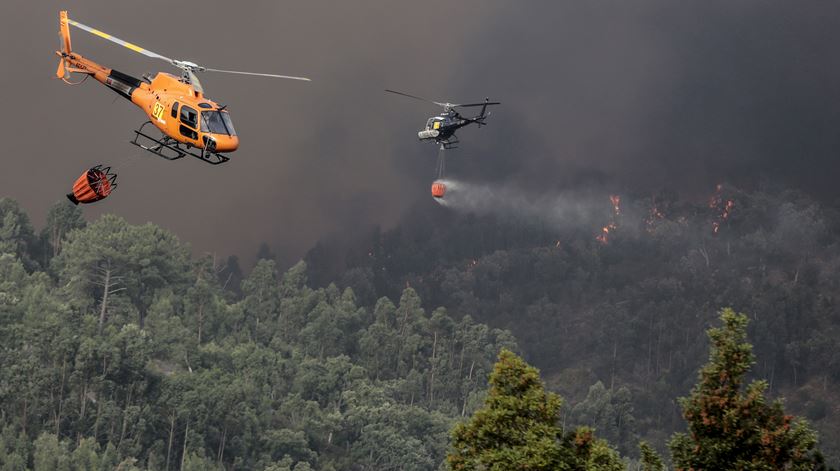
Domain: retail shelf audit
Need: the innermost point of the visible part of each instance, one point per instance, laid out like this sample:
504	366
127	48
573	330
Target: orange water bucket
93	185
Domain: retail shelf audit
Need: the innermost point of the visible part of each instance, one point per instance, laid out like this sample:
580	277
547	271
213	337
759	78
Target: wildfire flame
716	198
604	236
654	214
722	207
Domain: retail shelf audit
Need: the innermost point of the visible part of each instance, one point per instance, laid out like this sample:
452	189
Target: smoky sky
625	96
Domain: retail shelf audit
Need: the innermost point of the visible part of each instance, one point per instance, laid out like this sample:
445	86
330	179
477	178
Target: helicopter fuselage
441	128
173	106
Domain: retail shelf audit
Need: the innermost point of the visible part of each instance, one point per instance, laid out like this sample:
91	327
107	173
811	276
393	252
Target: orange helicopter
176	106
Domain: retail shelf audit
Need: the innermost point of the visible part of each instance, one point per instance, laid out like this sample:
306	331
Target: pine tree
650	459
731	428
16	234
516	428
62	218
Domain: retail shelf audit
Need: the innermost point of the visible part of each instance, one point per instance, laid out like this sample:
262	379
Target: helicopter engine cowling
428	134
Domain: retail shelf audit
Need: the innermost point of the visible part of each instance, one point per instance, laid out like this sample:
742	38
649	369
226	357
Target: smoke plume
562	210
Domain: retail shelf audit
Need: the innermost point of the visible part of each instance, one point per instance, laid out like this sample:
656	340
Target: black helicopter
441	129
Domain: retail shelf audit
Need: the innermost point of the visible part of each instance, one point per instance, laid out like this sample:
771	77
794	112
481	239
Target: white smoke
563	210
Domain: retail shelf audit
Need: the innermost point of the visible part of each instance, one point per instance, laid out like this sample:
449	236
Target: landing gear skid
451	143
170	149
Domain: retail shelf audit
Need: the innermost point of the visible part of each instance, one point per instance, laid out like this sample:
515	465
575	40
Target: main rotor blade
255	73
415	97
479	104
119	41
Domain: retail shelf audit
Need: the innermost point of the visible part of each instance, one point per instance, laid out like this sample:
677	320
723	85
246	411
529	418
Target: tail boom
71	62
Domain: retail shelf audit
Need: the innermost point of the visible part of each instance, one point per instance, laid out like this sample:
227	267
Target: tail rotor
484	114
65	46
61	72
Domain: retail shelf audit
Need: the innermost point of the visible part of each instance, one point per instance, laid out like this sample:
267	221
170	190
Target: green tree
609	412
592	453
62	218
261	301
13	450
382	447
517	427
113	258
379	343
230	275
203	301
85	457
650	459
735	428
195	462
50	454
16	234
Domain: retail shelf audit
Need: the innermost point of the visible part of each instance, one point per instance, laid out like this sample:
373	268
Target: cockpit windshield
228	123
434	123
217	122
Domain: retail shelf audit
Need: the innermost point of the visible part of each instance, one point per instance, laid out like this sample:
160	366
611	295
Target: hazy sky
629	95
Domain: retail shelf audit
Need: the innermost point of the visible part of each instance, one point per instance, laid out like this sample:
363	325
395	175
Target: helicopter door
189	121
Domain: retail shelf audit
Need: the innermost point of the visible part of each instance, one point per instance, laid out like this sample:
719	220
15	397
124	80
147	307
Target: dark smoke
644	95
629	96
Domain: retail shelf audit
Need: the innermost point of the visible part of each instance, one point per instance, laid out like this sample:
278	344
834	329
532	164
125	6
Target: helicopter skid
451	143
170	149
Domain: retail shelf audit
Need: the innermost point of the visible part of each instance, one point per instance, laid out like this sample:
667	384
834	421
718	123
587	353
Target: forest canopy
630	313
120	347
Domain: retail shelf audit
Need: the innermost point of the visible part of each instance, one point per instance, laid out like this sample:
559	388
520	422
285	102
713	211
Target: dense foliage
732	427
728	427
631	312
517	429
119	349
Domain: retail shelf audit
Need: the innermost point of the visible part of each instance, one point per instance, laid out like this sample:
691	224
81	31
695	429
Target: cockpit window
434	123
216	122
189	116
228	123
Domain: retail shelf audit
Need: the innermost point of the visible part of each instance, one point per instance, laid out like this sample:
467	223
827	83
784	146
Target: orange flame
723	208
715	199
603	237
616	202
654	214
